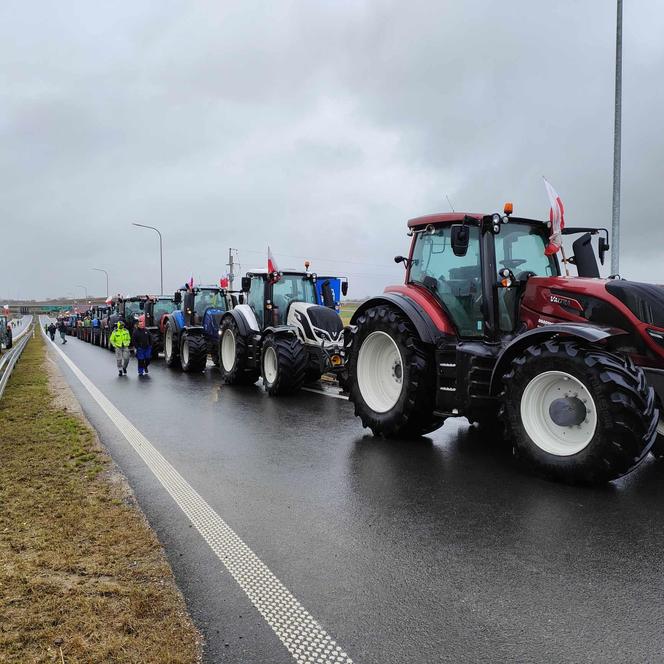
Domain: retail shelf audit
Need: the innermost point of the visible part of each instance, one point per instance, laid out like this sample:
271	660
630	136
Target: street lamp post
161	254
84	288
98	269
615	217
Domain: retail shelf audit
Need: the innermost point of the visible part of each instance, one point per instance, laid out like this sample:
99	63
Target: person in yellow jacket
120	340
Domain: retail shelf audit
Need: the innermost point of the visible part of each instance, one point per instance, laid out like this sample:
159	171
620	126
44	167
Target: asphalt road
437	549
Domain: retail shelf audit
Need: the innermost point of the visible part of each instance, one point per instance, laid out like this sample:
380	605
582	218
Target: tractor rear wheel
193	352
171	346
578	414
392	376
233	355
283	364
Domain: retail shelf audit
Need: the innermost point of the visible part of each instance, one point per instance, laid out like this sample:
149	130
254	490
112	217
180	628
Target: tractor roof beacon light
508	208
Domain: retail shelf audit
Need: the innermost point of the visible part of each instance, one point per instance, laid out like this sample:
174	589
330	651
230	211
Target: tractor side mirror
584	257
344	288
460	239
400	259
246	284
602	247
177	297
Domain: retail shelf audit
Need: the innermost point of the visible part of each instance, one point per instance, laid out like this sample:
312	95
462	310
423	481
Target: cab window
455	280
520	248
292	288
256	299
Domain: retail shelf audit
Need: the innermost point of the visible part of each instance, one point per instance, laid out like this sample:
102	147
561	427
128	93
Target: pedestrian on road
51	331
120	340
62	329
141	340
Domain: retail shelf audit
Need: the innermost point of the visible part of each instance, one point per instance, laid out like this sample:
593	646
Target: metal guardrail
10	357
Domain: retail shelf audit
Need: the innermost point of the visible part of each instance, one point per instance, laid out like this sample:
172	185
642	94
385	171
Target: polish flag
272	269
556	219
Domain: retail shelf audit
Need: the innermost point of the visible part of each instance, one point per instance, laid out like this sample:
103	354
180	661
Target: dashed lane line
305	639
325	393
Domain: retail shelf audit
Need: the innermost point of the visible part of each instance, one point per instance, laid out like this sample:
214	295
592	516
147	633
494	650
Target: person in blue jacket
142	341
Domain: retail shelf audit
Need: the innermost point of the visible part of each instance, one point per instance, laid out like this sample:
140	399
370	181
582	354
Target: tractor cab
271	300
476	267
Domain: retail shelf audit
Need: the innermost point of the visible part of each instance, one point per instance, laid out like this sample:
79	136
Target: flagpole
617	130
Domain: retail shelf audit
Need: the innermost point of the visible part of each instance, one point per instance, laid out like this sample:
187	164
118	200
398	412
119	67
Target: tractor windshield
162	307
292	288
206	299
132	308
456	280
520	247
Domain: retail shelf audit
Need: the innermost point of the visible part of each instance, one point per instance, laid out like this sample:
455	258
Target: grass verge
82	576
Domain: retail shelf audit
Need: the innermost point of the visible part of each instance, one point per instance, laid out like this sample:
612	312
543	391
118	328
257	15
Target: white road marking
325	393
305	639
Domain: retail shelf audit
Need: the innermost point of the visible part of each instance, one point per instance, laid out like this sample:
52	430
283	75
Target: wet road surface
437	549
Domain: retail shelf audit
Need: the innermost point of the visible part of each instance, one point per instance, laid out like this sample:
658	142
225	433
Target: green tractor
6	334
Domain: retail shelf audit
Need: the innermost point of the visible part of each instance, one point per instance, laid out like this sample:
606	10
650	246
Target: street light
161	253
98	269
617	135
84	288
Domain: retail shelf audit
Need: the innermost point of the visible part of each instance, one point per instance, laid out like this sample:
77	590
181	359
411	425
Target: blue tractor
191	331
329	291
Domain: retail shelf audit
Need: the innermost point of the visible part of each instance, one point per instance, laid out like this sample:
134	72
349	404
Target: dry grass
82	576
347	311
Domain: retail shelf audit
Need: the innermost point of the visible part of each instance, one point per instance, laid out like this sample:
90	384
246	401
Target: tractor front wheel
577	414
193	353
283	364
171	346
392	376
233	355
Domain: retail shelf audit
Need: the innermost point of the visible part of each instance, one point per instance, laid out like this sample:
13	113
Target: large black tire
624	411
288	358
171	346
193	352
413	411
234	368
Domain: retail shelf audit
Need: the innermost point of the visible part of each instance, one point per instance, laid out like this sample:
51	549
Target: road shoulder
82	575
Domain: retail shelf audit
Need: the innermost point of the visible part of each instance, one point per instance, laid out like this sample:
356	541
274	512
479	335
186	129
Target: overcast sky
316	127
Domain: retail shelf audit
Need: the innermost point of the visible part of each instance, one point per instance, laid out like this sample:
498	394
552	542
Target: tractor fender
580	331
425	327
193	330
245	318
281	330
243	326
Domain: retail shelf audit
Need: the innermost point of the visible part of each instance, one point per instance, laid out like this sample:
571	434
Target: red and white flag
191	282
272	269
556	219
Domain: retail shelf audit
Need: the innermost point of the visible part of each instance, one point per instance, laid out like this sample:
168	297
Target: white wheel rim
168	343
380	372
228	350
185	352
270	365
536	400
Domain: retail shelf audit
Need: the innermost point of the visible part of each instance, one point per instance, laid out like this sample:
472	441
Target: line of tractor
488	325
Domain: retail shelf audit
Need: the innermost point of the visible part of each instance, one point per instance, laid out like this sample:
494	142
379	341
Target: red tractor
486	327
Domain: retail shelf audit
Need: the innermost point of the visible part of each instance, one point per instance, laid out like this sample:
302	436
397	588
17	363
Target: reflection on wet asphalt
429	550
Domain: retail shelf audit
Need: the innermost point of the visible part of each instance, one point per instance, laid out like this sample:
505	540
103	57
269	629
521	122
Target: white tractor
281	333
